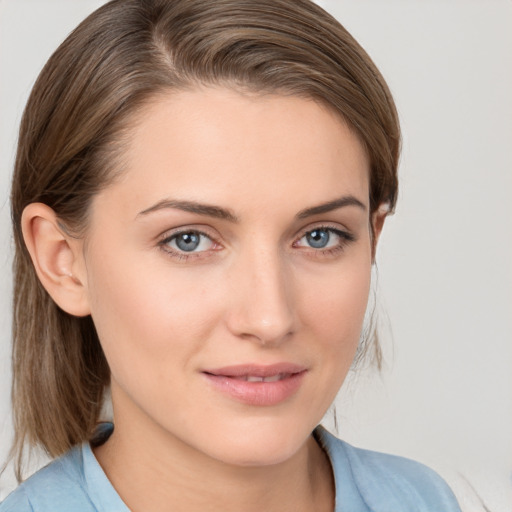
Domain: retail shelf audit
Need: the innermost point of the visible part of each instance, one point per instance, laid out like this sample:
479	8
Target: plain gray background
445	261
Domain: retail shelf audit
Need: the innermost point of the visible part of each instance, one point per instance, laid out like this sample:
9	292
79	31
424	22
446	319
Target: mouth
256	384
255	378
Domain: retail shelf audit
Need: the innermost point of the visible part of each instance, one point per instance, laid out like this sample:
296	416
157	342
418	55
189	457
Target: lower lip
257	393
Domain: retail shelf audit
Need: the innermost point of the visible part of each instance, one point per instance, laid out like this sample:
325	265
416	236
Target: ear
57	258
378	218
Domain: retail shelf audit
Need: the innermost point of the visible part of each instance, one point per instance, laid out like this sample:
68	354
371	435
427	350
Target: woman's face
228	271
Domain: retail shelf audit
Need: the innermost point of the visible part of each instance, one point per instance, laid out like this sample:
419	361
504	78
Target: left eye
189	241
321	238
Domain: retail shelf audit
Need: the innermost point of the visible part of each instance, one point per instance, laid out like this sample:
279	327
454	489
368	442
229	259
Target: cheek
334	305
147	317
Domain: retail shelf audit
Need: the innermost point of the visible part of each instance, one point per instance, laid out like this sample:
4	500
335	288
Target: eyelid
194	228
339	230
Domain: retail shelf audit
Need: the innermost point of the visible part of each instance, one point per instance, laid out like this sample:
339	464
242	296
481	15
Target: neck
152	470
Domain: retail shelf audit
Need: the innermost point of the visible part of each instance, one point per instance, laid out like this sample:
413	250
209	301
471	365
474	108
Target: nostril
266	337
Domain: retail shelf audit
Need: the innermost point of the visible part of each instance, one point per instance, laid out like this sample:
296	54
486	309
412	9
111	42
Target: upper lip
256	370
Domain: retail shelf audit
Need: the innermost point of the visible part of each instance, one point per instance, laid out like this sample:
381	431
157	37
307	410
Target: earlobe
57	258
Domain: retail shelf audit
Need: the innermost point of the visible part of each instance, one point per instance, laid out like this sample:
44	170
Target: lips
259	385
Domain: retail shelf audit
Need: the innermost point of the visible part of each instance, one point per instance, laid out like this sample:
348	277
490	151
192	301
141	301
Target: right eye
187	242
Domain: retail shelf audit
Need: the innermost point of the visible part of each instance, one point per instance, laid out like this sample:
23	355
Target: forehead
222	146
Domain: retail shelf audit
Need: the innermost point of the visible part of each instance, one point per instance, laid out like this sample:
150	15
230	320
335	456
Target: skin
254	291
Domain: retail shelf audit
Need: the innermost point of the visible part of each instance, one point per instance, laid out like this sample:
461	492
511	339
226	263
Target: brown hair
71	137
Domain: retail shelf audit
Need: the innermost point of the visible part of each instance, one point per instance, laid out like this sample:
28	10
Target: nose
262	299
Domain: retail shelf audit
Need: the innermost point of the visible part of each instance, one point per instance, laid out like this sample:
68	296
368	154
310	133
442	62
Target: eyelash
345	239
182	255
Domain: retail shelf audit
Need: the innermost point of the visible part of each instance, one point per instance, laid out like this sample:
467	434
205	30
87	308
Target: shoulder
17	501
58	486
388	482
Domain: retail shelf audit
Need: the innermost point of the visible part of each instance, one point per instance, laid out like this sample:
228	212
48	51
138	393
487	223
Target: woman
197	199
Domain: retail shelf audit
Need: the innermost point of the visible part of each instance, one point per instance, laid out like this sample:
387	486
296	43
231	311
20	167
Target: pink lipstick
261	385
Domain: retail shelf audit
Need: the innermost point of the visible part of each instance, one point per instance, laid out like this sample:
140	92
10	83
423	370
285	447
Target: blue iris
318	238
188	242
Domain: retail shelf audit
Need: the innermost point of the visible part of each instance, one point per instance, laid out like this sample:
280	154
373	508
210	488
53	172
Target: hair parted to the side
70	147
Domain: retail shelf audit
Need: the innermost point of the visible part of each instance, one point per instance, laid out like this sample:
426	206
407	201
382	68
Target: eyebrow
330	206
225	214
192	207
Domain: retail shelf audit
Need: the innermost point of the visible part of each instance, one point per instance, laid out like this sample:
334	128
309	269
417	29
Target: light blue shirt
365	481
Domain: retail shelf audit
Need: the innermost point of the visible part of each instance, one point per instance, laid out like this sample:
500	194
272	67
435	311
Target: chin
260	444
